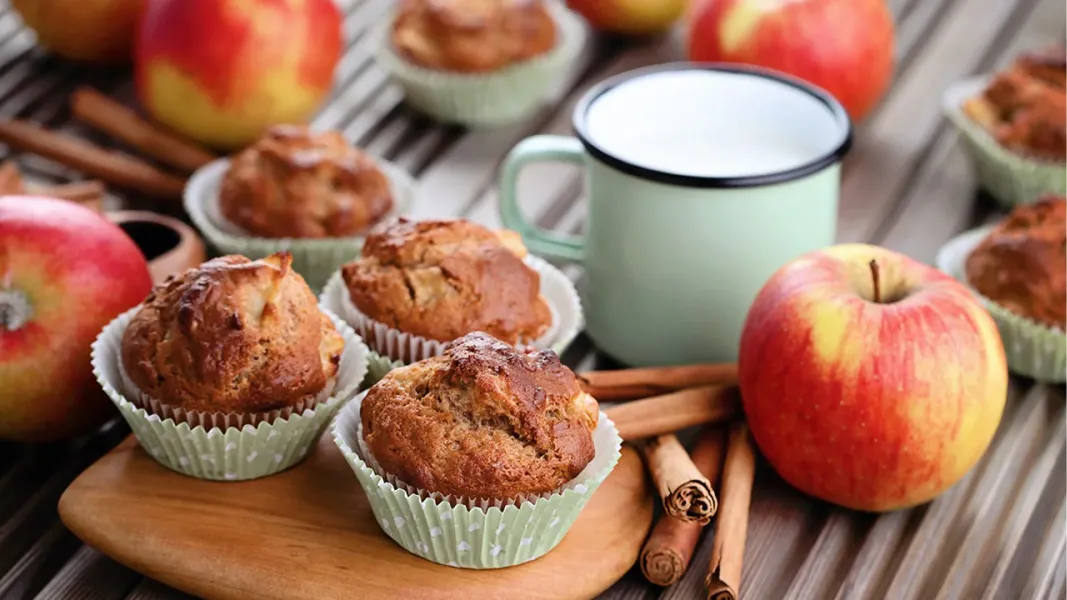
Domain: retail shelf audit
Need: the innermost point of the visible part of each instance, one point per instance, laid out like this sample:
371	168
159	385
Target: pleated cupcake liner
485	534
1011	178
485	100
389	342
1033	349
231	453
315	259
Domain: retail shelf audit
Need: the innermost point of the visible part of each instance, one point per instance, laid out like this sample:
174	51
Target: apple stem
15	310
877	282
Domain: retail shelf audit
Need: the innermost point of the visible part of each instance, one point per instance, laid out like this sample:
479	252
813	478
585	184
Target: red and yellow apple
222	71
94	31
842	46
65	272
630	17
869	379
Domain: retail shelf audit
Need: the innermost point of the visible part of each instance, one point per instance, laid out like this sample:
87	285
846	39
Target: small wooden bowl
169	245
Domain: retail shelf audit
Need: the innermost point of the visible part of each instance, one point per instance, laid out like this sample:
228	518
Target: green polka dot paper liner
315	259
1012	179
1033	349
481	534
256	448
403	348
485	100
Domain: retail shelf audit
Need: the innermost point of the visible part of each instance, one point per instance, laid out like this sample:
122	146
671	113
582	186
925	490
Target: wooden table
1000	533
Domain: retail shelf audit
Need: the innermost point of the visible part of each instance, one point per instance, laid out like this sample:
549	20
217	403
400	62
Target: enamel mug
703	179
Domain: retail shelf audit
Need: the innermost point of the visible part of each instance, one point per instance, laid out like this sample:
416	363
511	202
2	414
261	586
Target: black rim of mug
836	110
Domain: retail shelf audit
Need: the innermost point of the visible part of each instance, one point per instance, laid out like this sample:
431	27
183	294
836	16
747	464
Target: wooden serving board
309	533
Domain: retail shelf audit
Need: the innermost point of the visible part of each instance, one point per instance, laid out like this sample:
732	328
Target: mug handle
539	148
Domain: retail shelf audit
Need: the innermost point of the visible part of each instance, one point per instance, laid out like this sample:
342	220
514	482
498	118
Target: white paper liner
231	453
1032	349
486	533
556	288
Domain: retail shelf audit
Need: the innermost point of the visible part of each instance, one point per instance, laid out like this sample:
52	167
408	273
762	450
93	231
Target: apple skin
78	271
222	71
843	46
92	31
630	17
870	406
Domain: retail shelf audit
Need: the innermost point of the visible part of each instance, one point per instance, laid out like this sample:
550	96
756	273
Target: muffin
1022	264
472	36
295	183
443	279
483	420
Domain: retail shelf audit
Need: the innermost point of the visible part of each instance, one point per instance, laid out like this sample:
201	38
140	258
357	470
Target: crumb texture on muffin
295	183
232	335
483	420
472	36
1022	264
1025	106
444	279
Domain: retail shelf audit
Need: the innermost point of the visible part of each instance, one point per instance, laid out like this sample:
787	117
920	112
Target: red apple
65	272
634	17
842	46
222	71
96	31
869	379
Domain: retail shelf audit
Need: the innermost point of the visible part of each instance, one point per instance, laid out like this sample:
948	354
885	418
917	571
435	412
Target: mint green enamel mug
703	179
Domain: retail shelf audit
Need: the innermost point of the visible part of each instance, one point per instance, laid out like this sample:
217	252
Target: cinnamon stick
628	384
88	158
669	549
670	412
685	492
89	193
731	526
10	178
106	115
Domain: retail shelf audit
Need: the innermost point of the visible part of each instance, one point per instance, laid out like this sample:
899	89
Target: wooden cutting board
309	533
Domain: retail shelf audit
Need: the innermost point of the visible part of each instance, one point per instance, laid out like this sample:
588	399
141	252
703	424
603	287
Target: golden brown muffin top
483	420
472	36
232	335
1022	264
444	279
1025	106
295	183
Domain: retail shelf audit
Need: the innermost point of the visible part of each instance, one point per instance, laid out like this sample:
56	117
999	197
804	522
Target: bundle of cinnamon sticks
657	403
124	125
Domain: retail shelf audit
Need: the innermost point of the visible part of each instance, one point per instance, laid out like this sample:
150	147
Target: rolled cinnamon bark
685	492
628	384
10	178
731	526
669	549
671	412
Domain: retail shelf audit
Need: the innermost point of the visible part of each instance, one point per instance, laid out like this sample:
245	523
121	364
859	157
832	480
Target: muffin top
1025	106
232	335
1021	264
483	420
295	183
472	36
444	279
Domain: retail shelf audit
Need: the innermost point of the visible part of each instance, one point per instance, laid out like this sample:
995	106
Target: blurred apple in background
630	17
870	380
842	46
65	272
95	31
222	71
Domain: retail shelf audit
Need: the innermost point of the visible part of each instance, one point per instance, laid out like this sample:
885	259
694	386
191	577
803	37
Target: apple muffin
1022	264
295	183
233	336
472	36
484	420
442	279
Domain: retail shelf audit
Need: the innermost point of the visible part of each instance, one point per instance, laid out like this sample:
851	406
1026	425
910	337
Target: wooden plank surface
1000	533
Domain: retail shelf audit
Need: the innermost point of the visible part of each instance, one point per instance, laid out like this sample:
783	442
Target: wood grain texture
309	533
